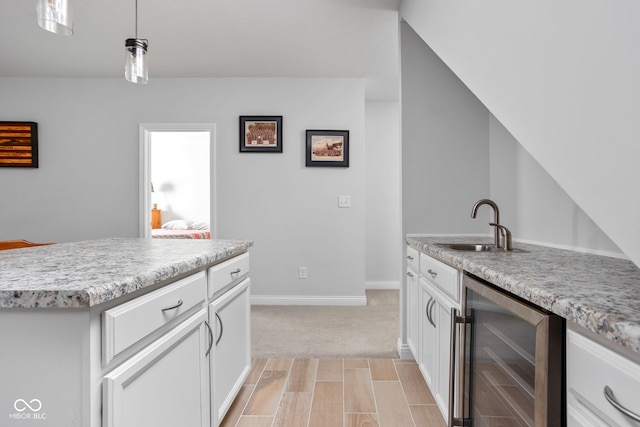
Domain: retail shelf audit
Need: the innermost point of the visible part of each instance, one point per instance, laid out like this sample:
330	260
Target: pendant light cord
136	19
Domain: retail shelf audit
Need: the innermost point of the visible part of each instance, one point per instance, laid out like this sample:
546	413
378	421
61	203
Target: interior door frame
144	195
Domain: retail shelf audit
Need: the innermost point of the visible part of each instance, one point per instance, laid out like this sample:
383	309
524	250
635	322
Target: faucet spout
496	217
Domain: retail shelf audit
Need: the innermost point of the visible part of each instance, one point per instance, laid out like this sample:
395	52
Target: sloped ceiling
564	79
212	38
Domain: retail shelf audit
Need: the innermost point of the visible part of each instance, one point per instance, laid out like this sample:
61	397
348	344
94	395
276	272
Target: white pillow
177	224
199	226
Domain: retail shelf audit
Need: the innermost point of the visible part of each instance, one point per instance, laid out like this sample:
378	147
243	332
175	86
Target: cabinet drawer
440	274
590	368
413	258
226	273
128	323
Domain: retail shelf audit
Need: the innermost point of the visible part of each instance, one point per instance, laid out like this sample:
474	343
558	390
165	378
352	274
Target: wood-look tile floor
334	393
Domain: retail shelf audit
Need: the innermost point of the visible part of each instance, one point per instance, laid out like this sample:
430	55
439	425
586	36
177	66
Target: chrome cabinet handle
210	339
433	304
236	271
427	310
409	257
173	307
221	329
608	394
432	273
410	274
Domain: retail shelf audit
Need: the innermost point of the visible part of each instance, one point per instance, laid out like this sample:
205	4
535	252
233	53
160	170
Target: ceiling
213	38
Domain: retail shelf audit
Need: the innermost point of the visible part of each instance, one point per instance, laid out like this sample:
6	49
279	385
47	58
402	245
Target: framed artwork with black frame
18	144
328	148
262	134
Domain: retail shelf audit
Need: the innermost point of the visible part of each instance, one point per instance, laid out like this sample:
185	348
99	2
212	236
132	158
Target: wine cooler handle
452	366
455	321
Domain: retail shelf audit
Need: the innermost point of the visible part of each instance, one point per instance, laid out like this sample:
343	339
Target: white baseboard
306	300
382	285
404	351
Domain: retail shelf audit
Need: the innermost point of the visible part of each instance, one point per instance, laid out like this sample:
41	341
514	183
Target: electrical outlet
344	201
302	272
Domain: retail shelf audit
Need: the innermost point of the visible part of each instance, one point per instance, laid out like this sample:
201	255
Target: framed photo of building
328	148
261	134
19	144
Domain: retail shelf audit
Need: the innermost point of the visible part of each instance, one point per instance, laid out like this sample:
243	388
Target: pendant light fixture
135	69
55	16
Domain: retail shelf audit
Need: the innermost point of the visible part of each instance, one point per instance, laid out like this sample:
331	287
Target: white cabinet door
165	384
413	313
229	316
428	338
442	316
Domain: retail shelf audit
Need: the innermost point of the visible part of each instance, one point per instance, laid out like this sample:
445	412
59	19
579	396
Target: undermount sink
474	247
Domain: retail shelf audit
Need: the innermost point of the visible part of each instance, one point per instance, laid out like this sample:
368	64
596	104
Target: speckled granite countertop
84	274
599	293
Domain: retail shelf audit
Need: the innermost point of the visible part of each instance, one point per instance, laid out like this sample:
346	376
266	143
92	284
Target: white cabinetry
229	316
591	368
163	380
413	301
428	350
430	298
166	384
441	290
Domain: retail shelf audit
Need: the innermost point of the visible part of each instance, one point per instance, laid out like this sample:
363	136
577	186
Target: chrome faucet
496	217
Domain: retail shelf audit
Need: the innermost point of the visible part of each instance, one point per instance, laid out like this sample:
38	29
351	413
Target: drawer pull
173	307
210	338
221	329
410	274
432	273
236	271
608	394
409	257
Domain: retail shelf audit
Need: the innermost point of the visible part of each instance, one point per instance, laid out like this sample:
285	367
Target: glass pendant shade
55	16
135	69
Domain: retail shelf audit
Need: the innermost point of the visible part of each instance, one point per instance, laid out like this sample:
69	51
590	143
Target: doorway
177	179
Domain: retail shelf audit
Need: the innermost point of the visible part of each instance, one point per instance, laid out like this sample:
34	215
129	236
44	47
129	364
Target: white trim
307	300
575	249
144	195
382	285
404	351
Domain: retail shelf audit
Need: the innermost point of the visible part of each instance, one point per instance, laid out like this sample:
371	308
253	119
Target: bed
161	233
179	229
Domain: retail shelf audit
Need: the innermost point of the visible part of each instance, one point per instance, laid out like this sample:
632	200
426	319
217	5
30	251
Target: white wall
445	145
533	205
87	183
564	79
383	226
180	175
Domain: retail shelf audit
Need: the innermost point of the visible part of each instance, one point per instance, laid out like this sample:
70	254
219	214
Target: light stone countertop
88	273
599	293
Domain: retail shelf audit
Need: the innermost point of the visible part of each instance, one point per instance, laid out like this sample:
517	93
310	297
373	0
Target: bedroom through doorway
177	185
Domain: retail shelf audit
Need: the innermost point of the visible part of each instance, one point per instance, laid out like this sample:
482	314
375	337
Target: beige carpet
369	331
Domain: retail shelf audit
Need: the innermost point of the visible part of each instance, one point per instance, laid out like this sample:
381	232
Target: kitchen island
122	332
